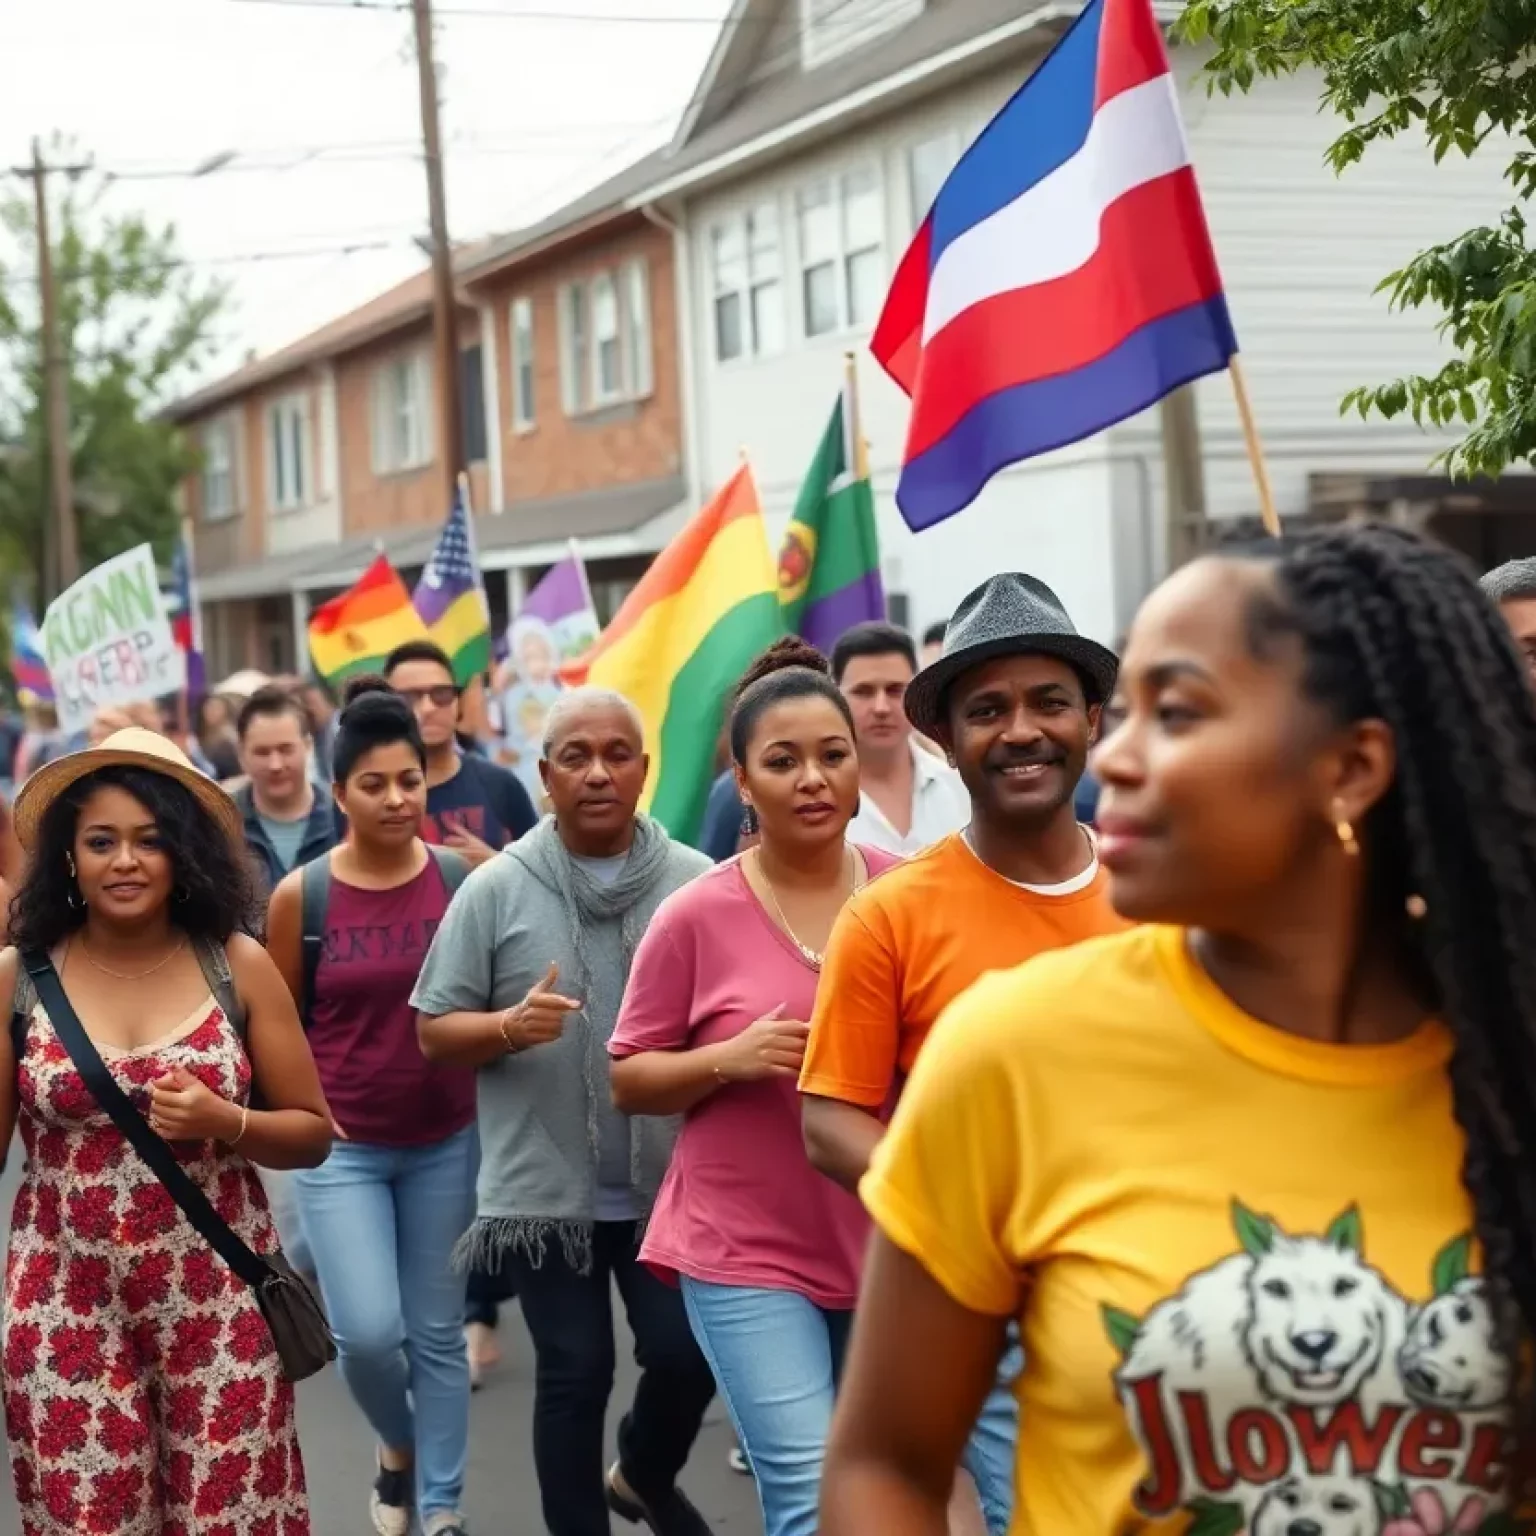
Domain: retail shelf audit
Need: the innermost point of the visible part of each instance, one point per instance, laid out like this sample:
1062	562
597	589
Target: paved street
502	1497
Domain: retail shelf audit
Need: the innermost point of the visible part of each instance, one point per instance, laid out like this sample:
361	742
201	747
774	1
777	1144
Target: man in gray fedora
1013	699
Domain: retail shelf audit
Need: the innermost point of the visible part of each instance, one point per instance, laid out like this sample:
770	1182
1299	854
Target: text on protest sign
108	640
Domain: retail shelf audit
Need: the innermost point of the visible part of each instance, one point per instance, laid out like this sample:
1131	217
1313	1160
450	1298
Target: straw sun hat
132	748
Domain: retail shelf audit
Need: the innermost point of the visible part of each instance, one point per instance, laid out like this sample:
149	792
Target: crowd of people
1147	1143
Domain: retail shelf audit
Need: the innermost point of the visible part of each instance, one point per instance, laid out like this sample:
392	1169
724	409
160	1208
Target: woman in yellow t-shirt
1236	1171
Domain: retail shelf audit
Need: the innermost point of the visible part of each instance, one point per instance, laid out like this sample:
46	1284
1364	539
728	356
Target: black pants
486	1291
570	1318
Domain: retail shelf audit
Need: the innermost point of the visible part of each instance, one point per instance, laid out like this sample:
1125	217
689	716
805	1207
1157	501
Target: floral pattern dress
143	1395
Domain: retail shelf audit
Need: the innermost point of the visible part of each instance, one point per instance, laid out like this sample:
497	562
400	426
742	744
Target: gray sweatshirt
553	1149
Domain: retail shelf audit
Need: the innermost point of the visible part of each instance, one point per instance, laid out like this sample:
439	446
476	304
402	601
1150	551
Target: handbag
293	1315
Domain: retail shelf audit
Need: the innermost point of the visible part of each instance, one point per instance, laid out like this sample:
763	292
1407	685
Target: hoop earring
73	897
69	864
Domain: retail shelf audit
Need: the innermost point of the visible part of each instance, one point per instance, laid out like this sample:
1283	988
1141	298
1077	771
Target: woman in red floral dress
143	1395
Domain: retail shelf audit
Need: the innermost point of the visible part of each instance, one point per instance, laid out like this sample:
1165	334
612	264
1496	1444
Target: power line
237	258
487	13
278	161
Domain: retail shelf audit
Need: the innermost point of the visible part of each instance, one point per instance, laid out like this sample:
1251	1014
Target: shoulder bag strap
159	1158
315	889
213	961
453	867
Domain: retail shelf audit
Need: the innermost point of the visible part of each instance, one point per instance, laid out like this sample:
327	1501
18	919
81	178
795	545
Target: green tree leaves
136	321
1456	74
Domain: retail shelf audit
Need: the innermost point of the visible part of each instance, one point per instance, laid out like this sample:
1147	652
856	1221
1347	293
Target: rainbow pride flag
706	607
354	632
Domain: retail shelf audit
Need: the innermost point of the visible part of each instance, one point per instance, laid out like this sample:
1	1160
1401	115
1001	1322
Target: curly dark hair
790	668
1396	628
214	879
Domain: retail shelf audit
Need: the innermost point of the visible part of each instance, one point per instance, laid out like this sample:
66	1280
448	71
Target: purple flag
559	610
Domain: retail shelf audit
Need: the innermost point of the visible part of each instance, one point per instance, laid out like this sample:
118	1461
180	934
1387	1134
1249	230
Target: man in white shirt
908	797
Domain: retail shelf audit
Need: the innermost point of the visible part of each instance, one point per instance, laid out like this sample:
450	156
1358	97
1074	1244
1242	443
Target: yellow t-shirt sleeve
947	1184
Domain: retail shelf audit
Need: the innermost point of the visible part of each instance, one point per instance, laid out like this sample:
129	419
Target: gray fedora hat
1009	615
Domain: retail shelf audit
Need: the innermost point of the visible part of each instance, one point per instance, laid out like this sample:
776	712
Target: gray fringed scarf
539	1110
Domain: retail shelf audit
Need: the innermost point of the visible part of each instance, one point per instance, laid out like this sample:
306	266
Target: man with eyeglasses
473	806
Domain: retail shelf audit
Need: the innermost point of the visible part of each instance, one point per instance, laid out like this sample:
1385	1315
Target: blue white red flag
181	608
1064	278
29	670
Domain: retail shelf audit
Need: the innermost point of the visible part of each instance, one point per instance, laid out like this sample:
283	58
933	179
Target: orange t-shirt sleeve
856	1025
950	1183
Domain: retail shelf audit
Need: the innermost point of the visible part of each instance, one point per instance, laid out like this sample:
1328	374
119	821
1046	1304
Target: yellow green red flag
706	607
354	632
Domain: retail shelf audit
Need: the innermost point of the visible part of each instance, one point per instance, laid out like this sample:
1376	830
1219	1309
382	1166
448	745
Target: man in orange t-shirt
1014	700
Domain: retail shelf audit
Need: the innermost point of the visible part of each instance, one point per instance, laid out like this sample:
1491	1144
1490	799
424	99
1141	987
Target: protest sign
108	640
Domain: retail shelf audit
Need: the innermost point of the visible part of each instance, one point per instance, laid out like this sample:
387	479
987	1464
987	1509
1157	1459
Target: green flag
829	565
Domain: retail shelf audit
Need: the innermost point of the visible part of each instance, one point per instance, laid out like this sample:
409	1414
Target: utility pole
1184	514
61	550
445	316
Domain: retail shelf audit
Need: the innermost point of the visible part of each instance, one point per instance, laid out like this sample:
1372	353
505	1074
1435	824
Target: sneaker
736	1460
672	1515
391	1500
445	1522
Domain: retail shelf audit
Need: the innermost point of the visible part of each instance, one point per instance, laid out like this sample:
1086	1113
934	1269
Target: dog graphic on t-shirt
1289	1379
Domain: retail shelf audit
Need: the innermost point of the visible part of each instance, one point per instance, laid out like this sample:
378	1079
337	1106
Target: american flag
452	571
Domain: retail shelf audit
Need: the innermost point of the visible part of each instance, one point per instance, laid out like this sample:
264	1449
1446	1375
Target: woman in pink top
713	1027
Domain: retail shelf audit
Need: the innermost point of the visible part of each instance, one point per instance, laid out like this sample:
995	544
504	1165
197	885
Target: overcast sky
541	99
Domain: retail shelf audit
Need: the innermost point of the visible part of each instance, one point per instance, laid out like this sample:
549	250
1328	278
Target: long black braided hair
1395	628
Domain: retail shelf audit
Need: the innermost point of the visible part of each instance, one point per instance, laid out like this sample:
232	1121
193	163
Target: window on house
608	347
832	27
863	245
472	431
605	339
728	261
637	327
219	498
929	163
522	363
747	272
288	453
402	437
842	251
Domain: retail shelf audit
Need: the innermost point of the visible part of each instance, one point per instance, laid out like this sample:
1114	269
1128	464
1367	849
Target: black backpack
316	887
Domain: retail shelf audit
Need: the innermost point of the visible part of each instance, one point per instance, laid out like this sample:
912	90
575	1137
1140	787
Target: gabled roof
390	311
735	120
588	211
946	35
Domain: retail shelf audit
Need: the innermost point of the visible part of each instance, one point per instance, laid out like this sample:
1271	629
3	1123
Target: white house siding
1301	252
1051	517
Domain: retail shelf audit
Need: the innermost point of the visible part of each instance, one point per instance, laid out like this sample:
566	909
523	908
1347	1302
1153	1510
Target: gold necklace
159	965
812	957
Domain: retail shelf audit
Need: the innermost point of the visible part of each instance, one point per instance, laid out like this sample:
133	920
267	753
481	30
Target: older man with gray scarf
524	982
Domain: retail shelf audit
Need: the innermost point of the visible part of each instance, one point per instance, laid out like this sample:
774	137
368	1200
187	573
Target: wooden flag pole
1255	447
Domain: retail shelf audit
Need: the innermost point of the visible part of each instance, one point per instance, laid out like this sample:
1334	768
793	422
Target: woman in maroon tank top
384	1212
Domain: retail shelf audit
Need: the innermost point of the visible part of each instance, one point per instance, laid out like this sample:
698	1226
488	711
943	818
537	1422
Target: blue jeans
776	1358
381	1224
989	1454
